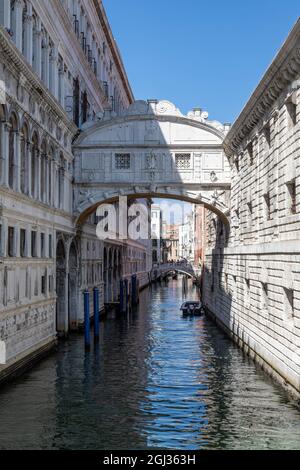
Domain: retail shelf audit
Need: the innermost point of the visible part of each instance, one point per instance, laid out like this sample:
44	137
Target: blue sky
210	54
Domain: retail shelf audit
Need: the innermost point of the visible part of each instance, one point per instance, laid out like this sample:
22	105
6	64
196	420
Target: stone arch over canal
152	151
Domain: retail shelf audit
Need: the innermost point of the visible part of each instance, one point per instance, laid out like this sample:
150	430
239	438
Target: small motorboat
192	308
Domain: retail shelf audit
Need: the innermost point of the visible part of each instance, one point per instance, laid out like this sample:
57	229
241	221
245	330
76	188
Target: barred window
122	161
183	161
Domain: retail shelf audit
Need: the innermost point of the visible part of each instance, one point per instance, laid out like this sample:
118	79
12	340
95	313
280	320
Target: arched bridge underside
180	271
163	270
152	151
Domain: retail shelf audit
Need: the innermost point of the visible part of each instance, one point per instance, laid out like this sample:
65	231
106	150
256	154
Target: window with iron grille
183	161
122	161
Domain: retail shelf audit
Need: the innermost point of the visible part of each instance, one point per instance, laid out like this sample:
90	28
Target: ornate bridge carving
152	150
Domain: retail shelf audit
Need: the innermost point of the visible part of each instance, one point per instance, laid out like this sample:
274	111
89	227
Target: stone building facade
252	276
59	69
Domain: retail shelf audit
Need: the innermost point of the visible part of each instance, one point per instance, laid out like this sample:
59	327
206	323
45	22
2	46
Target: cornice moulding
34	82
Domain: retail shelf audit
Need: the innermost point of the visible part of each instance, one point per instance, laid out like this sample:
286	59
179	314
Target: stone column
45	62
38	243
17	170
62	179
2	153
42	177
5	152
17	241
47	163
38	176
61	81
28	241
5	7
5	239
28	169
53	71
55	183
51	182
37	39
28	34
18	33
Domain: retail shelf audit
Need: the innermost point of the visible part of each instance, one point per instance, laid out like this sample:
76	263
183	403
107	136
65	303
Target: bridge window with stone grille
122	161
183	161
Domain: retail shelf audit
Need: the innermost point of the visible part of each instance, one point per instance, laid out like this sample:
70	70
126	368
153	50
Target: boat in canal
192	308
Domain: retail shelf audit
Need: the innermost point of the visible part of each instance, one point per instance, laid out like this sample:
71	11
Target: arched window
12	151
24	158
34	164
43	175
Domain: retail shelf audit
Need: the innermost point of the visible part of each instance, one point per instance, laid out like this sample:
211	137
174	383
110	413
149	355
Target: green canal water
156	381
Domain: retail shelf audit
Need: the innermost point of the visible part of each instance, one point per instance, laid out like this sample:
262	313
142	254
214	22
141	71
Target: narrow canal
156	381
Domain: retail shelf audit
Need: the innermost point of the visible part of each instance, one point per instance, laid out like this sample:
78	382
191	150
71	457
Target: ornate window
183	161
122	161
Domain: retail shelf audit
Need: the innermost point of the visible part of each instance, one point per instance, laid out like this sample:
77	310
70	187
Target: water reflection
155	381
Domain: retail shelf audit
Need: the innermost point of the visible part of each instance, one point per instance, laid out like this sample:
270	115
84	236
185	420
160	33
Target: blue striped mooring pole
133	290
96	314
121	296
87	334
126	295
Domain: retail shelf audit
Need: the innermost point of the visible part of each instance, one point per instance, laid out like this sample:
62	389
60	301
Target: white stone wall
40	58
252	281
